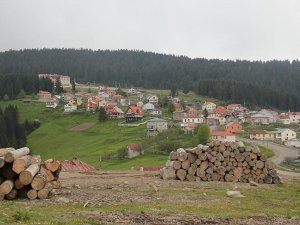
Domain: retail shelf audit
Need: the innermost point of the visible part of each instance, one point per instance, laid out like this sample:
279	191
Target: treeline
13	85
235	91
12	133
151	70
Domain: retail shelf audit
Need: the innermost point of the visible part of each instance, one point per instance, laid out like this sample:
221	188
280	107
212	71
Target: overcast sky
228	29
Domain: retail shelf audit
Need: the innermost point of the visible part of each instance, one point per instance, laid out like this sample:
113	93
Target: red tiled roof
136	110
133	147
191	110
69	165
221	133
258	132
221	110
233	105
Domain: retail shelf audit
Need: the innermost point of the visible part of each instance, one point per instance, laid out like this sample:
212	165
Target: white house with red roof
234	107
91	105
134	150
133	113
222	136
113	111
294	117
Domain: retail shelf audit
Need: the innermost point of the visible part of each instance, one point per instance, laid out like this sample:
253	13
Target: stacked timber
23	175
220	161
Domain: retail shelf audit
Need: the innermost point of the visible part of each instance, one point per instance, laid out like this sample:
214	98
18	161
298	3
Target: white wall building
209	106
285	134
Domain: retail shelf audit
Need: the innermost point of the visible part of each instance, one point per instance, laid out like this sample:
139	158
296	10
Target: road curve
280	151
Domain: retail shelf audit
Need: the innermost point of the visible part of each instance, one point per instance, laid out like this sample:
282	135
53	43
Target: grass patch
266	152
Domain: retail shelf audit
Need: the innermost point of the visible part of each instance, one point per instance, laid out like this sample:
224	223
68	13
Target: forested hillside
151	70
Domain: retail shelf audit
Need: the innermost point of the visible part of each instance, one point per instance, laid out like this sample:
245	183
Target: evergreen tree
205	113
174	91
171	107
73	86
102	115
58	87
119	91
203	134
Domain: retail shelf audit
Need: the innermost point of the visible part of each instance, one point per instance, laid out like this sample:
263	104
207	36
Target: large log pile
23	175
220	161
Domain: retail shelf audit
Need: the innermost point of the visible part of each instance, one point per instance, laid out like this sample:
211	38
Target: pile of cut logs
23	175
220	161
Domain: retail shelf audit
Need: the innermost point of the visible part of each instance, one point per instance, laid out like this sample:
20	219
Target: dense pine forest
12	132
271	83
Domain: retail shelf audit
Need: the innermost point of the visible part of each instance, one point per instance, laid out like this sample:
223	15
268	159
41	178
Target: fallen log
3	151
52	165
38	182
18	184
12	194
44	193
32	194
12	155
21	163
26	176
6	187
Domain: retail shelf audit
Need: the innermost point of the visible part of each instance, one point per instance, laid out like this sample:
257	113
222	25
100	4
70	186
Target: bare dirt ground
134	187
81	127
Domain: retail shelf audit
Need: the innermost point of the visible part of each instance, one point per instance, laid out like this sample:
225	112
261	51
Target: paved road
281	152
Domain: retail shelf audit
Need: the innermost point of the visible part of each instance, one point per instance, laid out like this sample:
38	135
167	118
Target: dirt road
281	152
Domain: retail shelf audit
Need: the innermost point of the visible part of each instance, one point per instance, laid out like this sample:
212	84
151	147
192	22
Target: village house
103	95
155	126
153	99
294	117
132	91
233	128
133	113
64	80
189	128
262	135
179	115
44	96
262	118
293	143
75	101
209	106
193	119
125	102
117	98
66	97
192	112
284	119
70	108
148	106
140	104
51	103
155	112
212	122
27	101
221	112
113	111
234	107
134	150
284	134
91	105
222	136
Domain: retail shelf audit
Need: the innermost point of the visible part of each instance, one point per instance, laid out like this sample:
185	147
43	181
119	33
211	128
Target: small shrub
21	216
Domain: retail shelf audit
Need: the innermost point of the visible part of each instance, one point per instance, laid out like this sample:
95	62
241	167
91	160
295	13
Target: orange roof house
133	113
222	136
233	128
